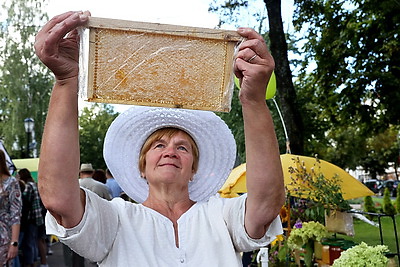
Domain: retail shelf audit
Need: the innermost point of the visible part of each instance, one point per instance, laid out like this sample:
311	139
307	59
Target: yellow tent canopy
236	183
31	164
351	187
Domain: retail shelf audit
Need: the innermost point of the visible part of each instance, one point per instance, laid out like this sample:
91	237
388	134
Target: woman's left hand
253	66
12	252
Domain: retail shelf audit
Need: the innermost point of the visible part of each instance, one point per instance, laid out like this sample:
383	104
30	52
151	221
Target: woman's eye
159	145
182	148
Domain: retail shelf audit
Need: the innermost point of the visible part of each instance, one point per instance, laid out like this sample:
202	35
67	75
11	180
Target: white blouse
120	233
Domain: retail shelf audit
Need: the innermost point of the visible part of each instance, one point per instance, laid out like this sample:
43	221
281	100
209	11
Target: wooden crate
160	65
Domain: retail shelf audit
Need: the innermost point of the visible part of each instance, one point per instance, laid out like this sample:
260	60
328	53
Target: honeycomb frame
154	64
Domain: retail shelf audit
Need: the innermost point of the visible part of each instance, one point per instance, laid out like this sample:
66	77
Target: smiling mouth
169	164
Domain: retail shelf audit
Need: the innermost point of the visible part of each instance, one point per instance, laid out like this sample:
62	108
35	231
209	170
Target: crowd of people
102	183
23	239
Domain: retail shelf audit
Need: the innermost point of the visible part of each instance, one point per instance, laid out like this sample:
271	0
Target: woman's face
170	160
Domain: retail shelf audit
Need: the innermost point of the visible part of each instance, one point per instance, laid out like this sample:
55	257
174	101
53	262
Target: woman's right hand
57	44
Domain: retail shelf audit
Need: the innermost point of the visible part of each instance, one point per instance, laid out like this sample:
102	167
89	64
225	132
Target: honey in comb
159	66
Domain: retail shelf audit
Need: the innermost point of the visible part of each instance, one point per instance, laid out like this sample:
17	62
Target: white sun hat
129	131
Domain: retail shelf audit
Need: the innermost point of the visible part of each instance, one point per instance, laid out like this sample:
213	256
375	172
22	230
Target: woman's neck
170	208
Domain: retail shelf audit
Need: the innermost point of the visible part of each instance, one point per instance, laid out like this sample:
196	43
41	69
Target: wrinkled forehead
168	133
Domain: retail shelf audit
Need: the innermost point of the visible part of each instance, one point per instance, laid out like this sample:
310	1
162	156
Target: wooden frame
160	65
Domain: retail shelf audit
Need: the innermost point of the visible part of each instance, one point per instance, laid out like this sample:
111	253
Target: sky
179	12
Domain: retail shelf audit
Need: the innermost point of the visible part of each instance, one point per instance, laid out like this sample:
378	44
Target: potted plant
363	255
324	197
304	235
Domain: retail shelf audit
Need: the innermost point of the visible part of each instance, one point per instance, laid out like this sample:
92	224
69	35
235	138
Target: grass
369	234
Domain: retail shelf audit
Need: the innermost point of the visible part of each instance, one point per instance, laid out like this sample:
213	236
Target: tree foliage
230	12
350	80
93	123
347	88
25	84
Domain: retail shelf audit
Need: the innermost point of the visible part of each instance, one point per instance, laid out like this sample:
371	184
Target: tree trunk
285	90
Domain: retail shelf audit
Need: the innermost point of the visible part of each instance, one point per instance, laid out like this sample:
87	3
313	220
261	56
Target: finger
65	26
253	41
55	20
61	29
249	33
62	17
257	46
248	55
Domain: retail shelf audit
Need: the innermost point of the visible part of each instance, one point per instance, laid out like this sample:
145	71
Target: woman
10	213
32	218
172	161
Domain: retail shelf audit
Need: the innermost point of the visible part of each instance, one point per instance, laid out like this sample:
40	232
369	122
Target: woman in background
10	213
33	220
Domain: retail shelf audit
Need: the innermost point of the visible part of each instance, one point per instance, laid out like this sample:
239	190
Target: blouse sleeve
94	236
234	213
16	203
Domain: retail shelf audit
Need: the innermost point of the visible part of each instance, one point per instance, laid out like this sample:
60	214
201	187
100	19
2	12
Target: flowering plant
322	194
306	232
278	251
363	255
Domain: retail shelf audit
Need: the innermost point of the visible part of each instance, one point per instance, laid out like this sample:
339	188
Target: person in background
10	213
42	240
16	261
86	181
100	176
34	219
112	184
171	161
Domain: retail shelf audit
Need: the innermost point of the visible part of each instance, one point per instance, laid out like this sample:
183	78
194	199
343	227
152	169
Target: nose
170	152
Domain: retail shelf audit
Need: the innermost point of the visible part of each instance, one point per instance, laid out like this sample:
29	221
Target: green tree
231	11
234	120
93	124
382	149
350	76
25	84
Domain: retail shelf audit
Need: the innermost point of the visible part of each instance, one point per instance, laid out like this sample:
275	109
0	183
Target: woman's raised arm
57	46
264	178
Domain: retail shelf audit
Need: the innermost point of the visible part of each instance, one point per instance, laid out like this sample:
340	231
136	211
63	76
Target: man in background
86	181
114	187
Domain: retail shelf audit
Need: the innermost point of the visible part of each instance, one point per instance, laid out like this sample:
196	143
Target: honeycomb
153	64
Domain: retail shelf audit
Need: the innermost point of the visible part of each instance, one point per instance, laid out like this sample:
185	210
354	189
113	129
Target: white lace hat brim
129	131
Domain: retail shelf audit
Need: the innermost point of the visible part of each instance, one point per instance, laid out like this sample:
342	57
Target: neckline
185	214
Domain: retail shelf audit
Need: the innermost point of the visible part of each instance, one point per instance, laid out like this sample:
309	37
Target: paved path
57	259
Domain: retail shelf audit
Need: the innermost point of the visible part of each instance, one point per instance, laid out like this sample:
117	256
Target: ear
192	177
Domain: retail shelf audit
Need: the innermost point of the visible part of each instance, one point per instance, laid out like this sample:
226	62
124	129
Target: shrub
369	206
363	255
388	207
